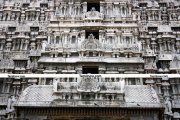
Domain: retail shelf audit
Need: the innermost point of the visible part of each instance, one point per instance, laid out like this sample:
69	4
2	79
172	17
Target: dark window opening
73	39
90	70
44	5
12	29
25	5
94	32
142	4
57	39
158	64
175	29
90	54
93	6
49	81
152	29
34	29
162	4
132	81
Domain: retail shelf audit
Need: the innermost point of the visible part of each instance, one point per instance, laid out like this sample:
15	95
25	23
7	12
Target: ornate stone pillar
8	86
101	7
84	5
65	10
1	16
23	83
165	86
49	38
100	36
160	44
4	84
8	16
159	13
26	44
21	44
165	46
130	12
168	45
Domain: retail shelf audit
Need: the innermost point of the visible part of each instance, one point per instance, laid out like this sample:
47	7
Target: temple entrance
90	70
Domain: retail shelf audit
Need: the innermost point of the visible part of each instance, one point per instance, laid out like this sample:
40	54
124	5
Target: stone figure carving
153	92
11	102
89	84
168	106
93	9
173	16
59	87
44	44
93	14
91	43
29	63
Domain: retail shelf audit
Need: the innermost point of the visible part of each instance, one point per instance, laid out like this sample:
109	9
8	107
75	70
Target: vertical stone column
82	35
65	9
26	44
4	84
49	38
84	4
160	45
70	4
101	7
168	45
23	83
21	44
173	86
14	90
165	46
159	14
130	12
79	10
8	87
100	36
165	86
66	38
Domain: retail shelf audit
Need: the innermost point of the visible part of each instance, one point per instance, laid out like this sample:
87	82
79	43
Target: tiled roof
42	95
139	94
36	95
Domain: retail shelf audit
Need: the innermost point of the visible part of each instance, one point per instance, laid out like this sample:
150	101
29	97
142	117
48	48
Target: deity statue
93	9
153	92
168	106
44	44
11	102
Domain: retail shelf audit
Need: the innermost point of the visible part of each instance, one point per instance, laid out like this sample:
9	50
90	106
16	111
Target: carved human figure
28	63
93	9
153	92
44	43
168	106
11	102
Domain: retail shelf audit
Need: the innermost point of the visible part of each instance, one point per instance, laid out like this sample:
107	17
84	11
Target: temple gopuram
89	59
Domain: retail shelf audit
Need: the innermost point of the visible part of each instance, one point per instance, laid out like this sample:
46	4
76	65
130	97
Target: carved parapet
165	57
35	53
93	15
20	56
91	44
